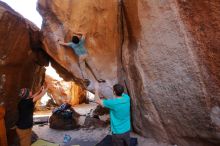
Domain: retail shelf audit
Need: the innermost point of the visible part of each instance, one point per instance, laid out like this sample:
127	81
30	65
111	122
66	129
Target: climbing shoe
86	83
101	80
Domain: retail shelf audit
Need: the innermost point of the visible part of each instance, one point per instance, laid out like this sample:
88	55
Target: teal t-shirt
119	113
79	48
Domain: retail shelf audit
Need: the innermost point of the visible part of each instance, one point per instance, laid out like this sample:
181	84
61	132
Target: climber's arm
63	43
99	101
39	94
81	35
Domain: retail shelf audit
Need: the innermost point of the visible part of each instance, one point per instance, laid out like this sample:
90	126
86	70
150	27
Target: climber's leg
82	65
93	69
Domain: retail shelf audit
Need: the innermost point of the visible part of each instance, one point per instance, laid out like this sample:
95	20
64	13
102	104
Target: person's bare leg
82	66
93	69
24	136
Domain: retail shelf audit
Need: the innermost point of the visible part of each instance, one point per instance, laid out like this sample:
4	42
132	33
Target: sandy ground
56	136
93	135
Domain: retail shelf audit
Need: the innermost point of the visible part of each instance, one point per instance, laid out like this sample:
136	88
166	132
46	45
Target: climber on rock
78	46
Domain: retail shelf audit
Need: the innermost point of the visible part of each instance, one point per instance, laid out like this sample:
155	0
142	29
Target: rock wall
63	18
171	57
165	51
21	59
202	20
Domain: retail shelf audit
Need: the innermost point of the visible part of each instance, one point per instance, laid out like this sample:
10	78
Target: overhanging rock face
21	59
100	20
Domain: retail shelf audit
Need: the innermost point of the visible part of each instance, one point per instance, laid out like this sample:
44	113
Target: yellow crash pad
41	142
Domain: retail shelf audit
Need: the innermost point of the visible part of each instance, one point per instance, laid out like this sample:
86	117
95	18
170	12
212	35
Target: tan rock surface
63	18
62	91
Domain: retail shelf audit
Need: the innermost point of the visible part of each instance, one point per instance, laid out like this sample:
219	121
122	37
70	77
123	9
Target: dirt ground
94	135
91	135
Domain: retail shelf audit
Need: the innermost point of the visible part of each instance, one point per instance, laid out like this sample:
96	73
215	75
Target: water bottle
66	138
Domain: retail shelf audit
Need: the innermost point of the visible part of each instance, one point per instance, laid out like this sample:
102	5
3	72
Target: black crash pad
107	141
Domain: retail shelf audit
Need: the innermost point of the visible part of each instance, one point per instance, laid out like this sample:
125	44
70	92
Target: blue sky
27	8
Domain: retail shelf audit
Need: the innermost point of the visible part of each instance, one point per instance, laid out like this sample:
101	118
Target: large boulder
22	59
171	58
165	52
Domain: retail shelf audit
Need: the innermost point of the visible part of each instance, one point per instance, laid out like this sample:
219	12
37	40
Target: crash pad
107	141
41	142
